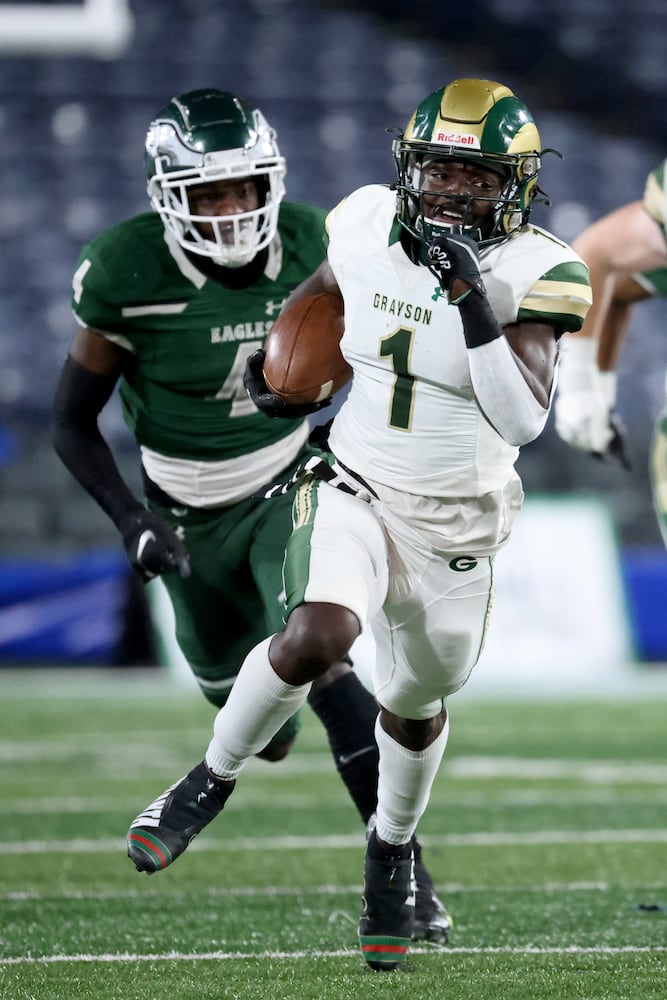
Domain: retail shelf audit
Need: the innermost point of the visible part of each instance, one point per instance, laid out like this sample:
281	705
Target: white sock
258	705
404	784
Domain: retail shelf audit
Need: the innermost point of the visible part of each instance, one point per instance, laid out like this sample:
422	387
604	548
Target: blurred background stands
331	78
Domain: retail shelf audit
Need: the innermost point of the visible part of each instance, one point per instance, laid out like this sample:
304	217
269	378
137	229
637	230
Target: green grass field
546	836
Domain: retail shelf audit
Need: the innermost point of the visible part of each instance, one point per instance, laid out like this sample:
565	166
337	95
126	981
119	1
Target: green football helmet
211	135
477	120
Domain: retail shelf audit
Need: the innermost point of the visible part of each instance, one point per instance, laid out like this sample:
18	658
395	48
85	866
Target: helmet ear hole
263	188
528	167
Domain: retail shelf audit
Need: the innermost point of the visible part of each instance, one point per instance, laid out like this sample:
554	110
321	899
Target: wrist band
457	302
480	326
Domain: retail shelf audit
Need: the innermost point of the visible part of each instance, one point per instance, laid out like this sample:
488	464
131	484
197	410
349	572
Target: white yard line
518	797
110	752
252	796
277	891
80	845
176	956
594	771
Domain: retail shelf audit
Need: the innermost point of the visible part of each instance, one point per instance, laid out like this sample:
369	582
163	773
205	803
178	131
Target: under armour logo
273	308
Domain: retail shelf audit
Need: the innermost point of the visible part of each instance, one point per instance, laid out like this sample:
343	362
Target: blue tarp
644	572
62	611
72	611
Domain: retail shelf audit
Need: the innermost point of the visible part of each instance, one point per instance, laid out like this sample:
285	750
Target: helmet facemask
470	121
180	158
510	209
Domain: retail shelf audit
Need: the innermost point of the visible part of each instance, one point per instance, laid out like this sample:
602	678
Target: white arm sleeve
503	394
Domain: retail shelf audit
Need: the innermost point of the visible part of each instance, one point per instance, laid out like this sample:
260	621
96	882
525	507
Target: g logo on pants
460	564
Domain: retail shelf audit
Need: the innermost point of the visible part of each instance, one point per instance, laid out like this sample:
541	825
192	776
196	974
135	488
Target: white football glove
584	404
585	396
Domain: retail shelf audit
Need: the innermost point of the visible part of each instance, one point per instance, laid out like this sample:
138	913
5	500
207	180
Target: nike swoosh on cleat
345	758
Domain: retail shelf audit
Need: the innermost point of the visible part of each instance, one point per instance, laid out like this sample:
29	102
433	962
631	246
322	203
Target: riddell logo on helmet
457	139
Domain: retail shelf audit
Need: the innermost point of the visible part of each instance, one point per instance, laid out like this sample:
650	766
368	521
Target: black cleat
432	921
387	917
164	829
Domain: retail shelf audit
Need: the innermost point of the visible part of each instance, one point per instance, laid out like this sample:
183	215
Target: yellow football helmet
478	120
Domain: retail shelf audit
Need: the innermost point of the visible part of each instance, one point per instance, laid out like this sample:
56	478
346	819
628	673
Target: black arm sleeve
79	399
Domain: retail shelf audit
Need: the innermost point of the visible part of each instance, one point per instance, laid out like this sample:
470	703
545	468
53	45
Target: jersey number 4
232	388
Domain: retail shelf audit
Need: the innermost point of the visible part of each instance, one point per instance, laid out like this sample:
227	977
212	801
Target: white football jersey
410	420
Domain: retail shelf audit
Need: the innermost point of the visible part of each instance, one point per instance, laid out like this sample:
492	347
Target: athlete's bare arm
624	241
97	353
535	351
321	280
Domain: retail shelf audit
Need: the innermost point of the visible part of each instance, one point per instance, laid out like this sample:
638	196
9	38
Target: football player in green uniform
171	304
626	252
454	304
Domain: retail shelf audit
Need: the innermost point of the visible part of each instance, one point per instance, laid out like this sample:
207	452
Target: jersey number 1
398	347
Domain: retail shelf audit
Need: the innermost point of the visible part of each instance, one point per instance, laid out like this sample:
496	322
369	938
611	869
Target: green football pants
233	597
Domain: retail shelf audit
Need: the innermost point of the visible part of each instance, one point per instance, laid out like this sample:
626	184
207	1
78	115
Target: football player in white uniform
626	252
454	304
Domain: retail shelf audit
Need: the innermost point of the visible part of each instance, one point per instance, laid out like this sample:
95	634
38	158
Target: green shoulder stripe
561	298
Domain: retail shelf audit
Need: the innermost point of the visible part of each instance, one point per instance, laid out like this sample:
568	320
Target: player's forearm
614	248
80	397
601	277
612	334
512	398
321	280
606	322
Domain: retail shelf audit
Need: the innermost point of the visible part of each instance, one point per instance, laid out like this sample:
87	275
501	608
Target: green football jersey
190	336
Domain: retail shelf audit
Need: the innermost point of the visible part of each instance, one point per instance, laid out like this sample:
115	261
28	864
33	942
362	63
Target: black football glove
618	448
268	402
455	256
152	546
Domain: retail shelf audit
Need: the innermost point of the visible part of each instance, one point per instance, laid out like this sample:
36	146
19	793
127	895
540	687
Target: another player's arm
615	247
86	382
627	240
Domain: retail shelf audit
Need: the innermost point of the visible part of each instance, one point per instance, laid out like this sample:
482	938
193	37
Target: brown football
303	363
